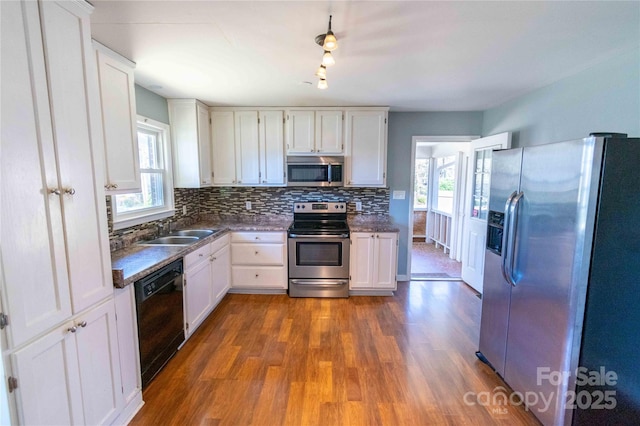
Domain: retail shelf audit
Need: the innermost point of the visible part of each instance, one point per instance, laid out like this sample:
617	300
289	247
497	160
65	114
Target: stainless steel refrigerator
561	301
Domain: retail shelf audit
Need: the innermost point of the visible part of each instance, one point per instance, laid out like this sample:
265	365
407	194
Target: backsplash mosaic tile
279	201
231	201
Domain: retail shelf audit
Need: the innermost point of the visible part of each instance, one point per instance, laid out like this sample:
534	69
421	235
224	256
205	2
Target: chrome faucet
160	229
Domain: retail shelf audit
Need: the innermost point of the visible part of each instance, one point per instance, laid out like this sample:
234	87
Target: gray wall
402	127
603	98
151	105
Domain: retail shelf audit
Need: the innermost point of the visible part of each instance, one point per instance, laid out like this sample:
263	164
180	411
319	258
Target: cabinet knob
257	238
256	252
72	329
55	191
311	150
377	236
83	324
257	275
69	191
201	255
371	235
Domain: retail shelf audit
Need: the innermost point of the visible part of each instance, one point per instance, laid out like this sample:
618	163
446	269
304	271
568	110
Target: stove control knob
303	206
336	206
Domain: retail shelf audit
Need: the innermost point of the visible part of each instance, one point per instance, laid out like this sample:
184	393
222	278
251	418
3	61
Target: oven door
318	256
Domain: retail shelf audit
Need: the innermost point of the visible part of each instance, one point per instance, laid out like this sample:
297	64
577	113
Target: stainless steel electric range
319	250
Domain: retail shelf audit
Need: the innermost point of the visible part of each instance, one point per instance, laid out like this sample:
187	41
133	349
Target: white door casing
475	225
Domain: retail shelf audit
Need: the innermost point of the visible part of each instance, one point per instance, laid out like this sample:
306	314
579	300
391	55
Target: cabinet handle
72	329
70	191
213	259
55	191
83	324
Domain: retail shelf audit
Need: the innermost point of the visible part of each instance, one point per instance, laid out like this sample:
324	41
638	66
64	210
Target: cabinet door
271	148
221	279
117	99
385	264
329	132
49	389
204	145
301	131
99	364
362	259
366	148
198	294
36	285
127	328
72	80
247	148
223	147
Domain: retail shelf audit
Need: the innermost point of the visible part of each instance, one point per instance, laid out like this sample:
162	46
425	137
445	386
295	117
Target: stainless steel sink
200	233
171	241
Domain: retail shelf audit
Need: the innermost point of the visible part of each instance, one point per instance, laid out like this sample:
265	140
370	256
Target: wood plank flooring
272	360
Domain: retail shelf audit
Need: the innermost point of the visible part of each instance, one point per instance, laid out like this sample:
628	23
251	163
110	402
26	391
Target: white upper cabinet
314	132
271	148
366	148
55	253
223	147
118	107
248	147
191	140
329	132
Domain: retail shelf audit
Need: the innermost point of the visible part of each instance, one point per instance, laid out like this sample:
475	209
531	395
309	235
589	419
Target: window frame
138	217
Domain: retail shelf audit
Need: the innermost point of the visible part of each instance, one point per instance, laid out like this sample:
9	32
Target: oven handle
320	283
341	236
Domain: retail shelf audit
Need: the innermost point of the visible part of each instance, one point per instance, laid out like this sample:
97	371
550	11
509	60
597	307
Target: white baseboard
403	278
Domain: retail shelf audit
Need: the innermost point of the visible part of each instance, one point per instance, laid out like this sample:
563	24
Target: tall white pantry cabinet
60	343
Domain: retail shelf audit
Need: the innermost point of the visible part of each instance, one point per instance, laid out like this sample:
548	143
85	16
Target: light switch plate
399	195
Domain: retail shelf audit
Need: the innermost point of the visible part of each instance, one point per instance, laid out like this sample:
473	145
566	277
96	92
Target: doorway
437	201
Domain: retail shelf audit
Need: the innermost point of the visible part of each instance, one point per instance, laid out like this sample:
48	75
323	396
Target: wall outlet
248	205
358	206
184	210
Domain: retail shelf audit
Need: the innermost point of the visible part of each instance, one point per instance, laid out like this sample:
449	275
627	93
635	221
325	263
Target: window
446	172
481	180
421	185
155	201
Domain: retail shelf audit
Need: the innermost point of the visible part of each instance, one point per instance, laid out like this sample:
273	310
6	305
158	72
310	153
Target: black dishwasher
160	318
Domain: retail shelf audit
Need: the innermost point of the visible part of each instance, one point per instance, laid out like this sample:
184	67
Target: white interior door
475	217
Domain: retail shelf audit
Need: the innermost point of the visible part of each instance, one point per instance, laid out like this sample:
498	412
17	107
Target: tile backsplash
279	201
223	201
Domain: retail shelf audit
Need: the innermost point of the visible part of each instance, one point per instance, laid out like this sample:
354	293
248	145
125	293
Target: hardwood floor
270	360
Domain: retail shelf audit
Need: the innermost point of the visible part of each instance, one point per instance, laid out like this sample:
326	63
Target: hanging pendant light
322	72
330	41
322	84
327	59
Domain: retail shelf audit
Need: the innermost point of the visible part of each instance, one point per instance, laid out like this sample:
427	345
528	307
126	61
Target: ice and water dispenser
495	228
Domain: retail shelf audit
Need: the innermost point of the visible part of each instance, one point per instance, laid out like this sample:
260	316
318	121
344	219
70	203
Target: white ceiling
409	55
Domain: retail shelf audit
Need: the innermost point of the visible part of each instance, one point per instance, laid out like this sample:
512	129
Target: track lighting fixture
329	43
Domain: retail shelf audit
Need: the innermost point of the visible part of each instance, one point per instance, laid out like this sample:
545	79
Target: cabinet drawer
258	277
219	243
257	254
195	257
258	237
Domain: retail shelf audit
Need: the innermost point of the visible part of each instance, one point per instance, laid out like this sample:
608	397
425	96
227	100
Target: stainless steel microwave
315	171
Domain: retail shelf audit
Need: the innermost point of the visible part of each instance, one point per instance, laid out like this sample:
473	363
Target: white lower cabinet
127	327
374	260
72	374
258	261
206	281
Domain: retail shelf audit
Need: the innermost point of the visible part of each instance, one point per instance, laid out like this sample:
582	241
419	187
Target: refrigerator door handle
512	242
505	237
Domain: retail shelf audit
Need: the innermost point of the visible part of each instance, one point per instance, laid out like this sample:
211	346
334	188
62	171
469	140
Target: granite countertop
372	223
136	261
